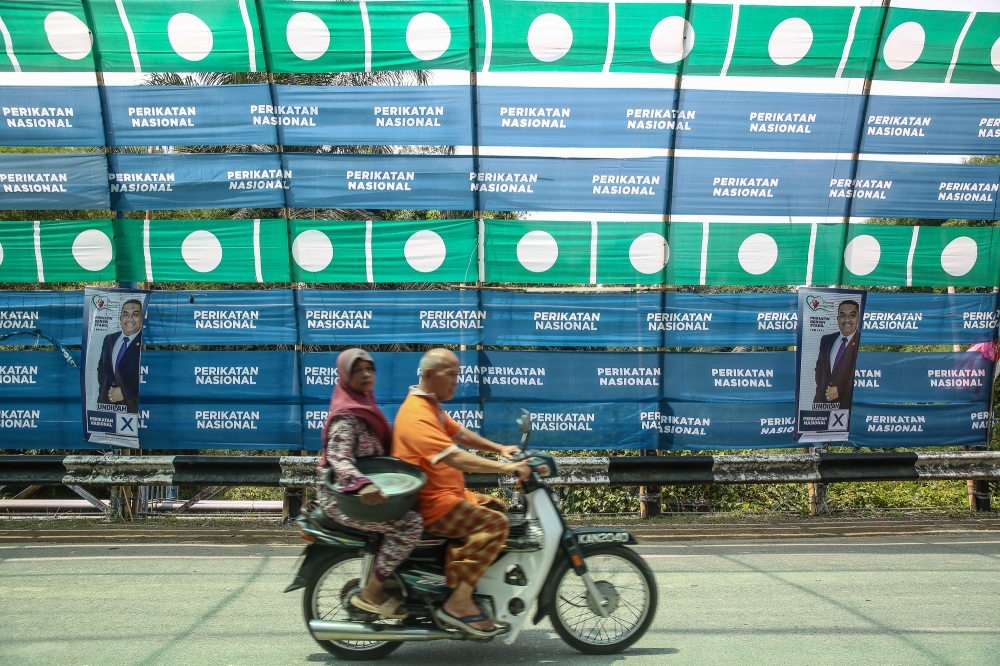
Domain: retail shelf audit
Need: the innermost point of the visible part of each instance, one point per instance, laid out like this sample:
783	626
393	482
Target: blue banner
388	317
879	426
38	375
936	125
190	115
701	426
68	181
374	115
929	319
220	425
225	318
572	376
252	376
571	320
58	314
765	121
212	180
418	182
572	184
564	426
51	116
734	186
935	191
756	377
571	117
395	372
467	415
41	424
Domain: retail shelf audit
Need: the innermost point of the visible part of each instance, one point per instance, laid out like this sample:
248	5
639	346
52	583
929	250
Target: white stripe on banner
611	38
369	273
147	255
593	252
368	35
256	251
38	250
958	46
704	253
488	20
811	260
481	241
909	257
251	49
131	37
732	42
9	45
850	41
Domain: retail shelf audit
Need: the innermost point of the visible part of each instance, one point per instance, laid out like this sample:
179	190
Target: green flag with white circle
535	251
656	37
57	251
904	256
332	36
819	42
979	57
45	37
189	36
919	44
754	253
203	250
384	251
514	35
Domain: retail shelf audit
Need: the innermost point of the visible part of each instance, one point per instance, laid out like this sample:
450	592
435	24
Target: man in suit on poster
838	353
118	368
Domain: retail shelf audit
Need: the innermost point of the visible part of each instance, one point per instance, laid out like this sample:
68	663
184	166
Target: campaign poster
110	377
827	340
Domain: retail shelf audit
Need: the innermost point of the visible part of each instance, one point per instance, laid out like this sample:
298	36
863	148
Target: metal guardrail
292	471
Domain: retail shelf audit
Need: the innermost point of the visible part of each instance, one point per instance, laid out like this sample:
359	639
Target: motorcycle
599	594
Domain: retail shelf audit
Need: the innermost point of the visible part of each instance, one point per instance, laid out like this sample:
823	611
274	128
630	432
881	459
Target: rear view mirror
524	422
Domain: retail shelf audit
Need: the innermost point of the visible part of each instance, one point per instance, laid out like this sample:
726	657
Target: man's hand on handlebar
509	452
520	470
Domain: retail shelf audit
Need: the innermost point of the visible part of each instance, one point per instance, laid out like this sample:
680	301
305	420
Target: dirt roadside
259	530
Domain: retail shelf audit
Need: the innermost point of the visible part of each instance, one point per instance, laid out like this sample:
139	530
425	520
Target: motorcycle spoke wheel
624	579
329	598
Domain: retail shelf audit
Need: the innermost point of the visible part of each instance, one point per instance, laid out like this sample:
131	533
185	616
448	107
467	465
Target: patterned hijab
346	400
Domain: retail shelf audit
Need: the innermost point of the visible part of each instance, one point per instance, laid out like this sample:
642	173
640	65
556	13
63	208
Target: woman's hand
372	495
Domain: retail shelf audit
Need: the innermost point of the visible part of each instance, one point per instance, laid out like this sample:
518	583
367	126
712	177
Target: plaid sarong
476	536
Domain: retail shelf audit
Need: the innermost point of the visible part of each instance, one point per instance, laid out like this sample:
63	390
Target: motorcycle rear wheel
327	596
628	583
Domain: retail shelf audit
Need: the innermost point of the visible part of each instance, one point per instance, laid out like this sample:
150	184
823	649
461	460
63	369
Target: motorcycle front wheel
327	597
625	580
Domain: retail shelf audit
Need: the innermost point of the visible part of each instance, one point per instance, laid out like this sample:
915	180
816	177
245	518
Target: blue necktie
840	352
121	353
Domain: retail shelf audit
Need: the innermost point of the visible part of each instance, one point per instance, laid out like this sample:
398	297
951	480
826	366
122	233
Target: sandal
462	624
389	609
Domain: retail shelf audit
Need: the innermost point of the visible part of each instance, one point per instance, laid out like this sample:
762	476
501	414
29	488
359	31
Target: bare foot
467	609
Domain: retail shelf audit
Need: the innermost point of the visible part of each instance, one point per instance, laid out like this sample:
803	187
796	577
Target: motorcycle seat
317	517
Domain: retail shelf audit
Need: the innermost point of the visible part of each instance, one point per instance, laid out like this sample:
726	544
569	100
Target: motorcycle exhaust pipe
325	630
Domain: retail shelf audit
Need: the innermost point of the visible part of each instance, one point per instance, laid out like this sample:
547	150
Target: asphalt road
846	601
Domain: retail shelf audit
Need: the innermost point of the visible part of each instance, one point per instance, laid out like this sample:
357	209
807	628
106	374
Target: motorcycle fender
548	593
313	556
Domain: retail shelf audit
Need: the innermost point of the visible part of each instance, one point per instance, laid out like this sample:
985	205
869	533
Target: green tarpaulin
754	253
202	250
57	251
186	36
49	36
921	256
384	251
575	252
332	36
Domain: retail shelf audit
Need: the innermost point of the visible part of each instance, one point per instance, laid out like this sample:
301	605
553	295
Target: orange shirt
422	436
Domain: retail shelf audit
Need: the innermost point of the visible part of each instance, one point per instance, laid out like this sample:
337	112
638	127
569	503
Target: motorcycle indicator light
308	538
577	561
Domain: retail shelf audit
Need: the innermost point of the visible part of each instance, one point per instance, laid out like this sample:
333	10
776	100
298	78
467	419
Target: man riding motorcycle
427	437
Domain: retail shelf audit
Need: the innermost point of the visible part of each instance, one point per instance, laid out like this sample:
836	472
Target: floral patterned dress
351	438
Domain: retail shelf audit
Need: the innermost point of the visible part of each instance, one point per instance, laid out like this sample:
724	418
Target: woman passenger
356	428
